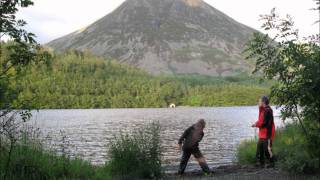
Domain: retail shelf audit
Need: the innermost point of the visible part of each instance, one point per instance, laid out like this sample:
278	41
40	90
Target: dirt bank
243	173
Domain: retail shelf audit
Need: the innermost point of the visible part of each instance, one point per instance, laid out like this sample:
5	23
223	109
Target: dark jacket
191	138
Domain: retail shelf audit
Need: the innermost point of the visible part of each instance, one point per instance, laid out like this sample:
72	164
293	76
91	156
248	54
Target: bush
246	152
137	155
294	155
33	162
26	158
132	156
290	147
295	66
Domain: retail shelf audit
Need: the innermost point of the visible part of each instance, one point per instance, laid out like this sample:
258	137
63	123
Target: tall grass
28	159
137	155
246	152
294	151
31	162
291	148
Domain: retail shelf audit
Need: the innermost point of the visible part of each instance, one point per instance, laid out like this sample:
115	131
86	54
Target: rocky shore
241	172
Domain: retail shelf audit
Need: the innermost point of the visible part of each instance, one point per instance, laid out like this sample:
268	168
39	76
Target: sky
51	19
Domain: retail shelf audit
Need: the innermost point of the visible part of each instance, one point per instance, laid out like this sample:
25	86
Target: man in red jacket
266	127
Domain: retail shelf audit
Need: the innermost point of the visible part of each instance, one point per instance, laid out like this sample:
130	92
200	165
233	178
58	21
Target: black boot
271	164
205	168
182	168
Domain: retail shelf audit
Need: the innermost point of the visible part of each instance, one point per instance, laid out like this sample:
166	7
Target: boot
205	168
271	164
181	169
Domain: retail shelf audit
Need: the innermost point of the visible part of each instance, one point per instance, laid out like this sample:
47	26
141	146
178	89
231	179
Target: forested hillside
80	80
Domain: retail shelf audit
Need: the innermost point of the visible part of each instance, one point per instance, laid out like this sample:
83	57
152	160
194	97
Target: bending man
190	140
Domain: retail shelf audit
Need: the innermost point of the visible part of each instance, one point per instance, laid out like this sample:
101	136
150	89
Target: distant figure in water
189	144
266	127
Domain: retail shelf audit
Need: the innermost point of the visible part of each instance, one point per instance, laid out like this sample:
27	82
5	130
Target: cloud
50	19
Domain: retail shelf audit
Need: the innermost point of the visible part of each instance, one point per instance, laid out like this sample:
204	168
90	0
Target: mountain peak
166	37
193	3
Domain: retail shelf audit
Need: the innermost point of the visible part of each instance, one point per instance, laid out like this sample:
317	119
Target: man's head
201	124
264	101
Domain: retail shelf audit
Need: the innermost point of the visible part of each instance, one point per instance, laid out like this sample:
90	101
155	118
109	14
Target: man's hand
270	148
180	147
269	145
253	125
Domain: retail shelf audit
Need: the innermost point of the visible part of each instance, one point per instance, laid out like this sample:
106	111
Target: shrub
290	148
295	66
32	162
28	159
137	155
246	152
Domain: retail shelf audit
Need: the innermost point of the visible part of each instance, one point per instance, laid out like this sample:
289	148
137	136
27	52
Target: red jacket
265	123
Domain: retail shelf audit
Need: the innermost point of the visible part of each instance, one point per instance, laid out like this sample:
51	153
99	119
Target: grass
224	95
291	149
137	155
33	162
246	152
132	156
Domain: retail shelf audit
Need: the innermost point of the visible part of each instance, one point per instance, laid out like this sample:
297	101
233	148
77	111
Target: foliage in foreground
246	152
295	65
137	155
31	161
290	149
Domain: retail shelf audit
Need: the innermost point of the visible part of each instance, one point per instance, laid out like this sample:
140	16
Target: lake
87	132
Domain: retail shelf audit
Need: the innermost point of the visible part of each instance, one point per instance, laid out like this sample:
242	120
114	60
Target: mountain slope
166	36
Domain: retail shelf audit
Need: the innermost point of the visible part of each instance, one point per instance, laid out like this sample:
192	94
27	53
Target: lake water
88	132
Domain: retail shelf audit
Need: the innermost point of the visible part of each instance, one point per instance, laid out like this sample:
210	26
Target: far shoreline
178	107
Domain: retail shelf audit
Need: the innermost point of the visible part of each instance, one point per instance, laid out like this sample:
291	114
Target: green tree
14	56
295	65
19	52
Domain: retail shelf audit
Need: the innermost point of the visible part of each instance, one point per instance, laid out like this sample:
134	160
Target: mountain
166	37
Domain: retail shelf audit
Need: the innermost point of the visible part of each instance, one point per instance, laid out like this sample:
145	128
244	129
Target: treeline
80	80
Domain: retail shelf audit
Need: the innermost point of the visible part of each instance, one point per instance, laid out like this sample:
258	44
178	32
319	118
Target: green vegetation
246	152
31	161
20	52
80	80
31	77
295	65
138	155
290	149
22	156
225	95
131	156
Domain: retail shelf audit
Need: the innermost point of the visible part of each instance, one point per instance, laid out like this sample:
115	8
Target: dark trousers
186	156
262	151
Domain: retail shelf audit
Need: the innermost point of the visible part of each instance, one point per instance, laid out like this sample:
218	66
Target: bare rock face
166	37
193	3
